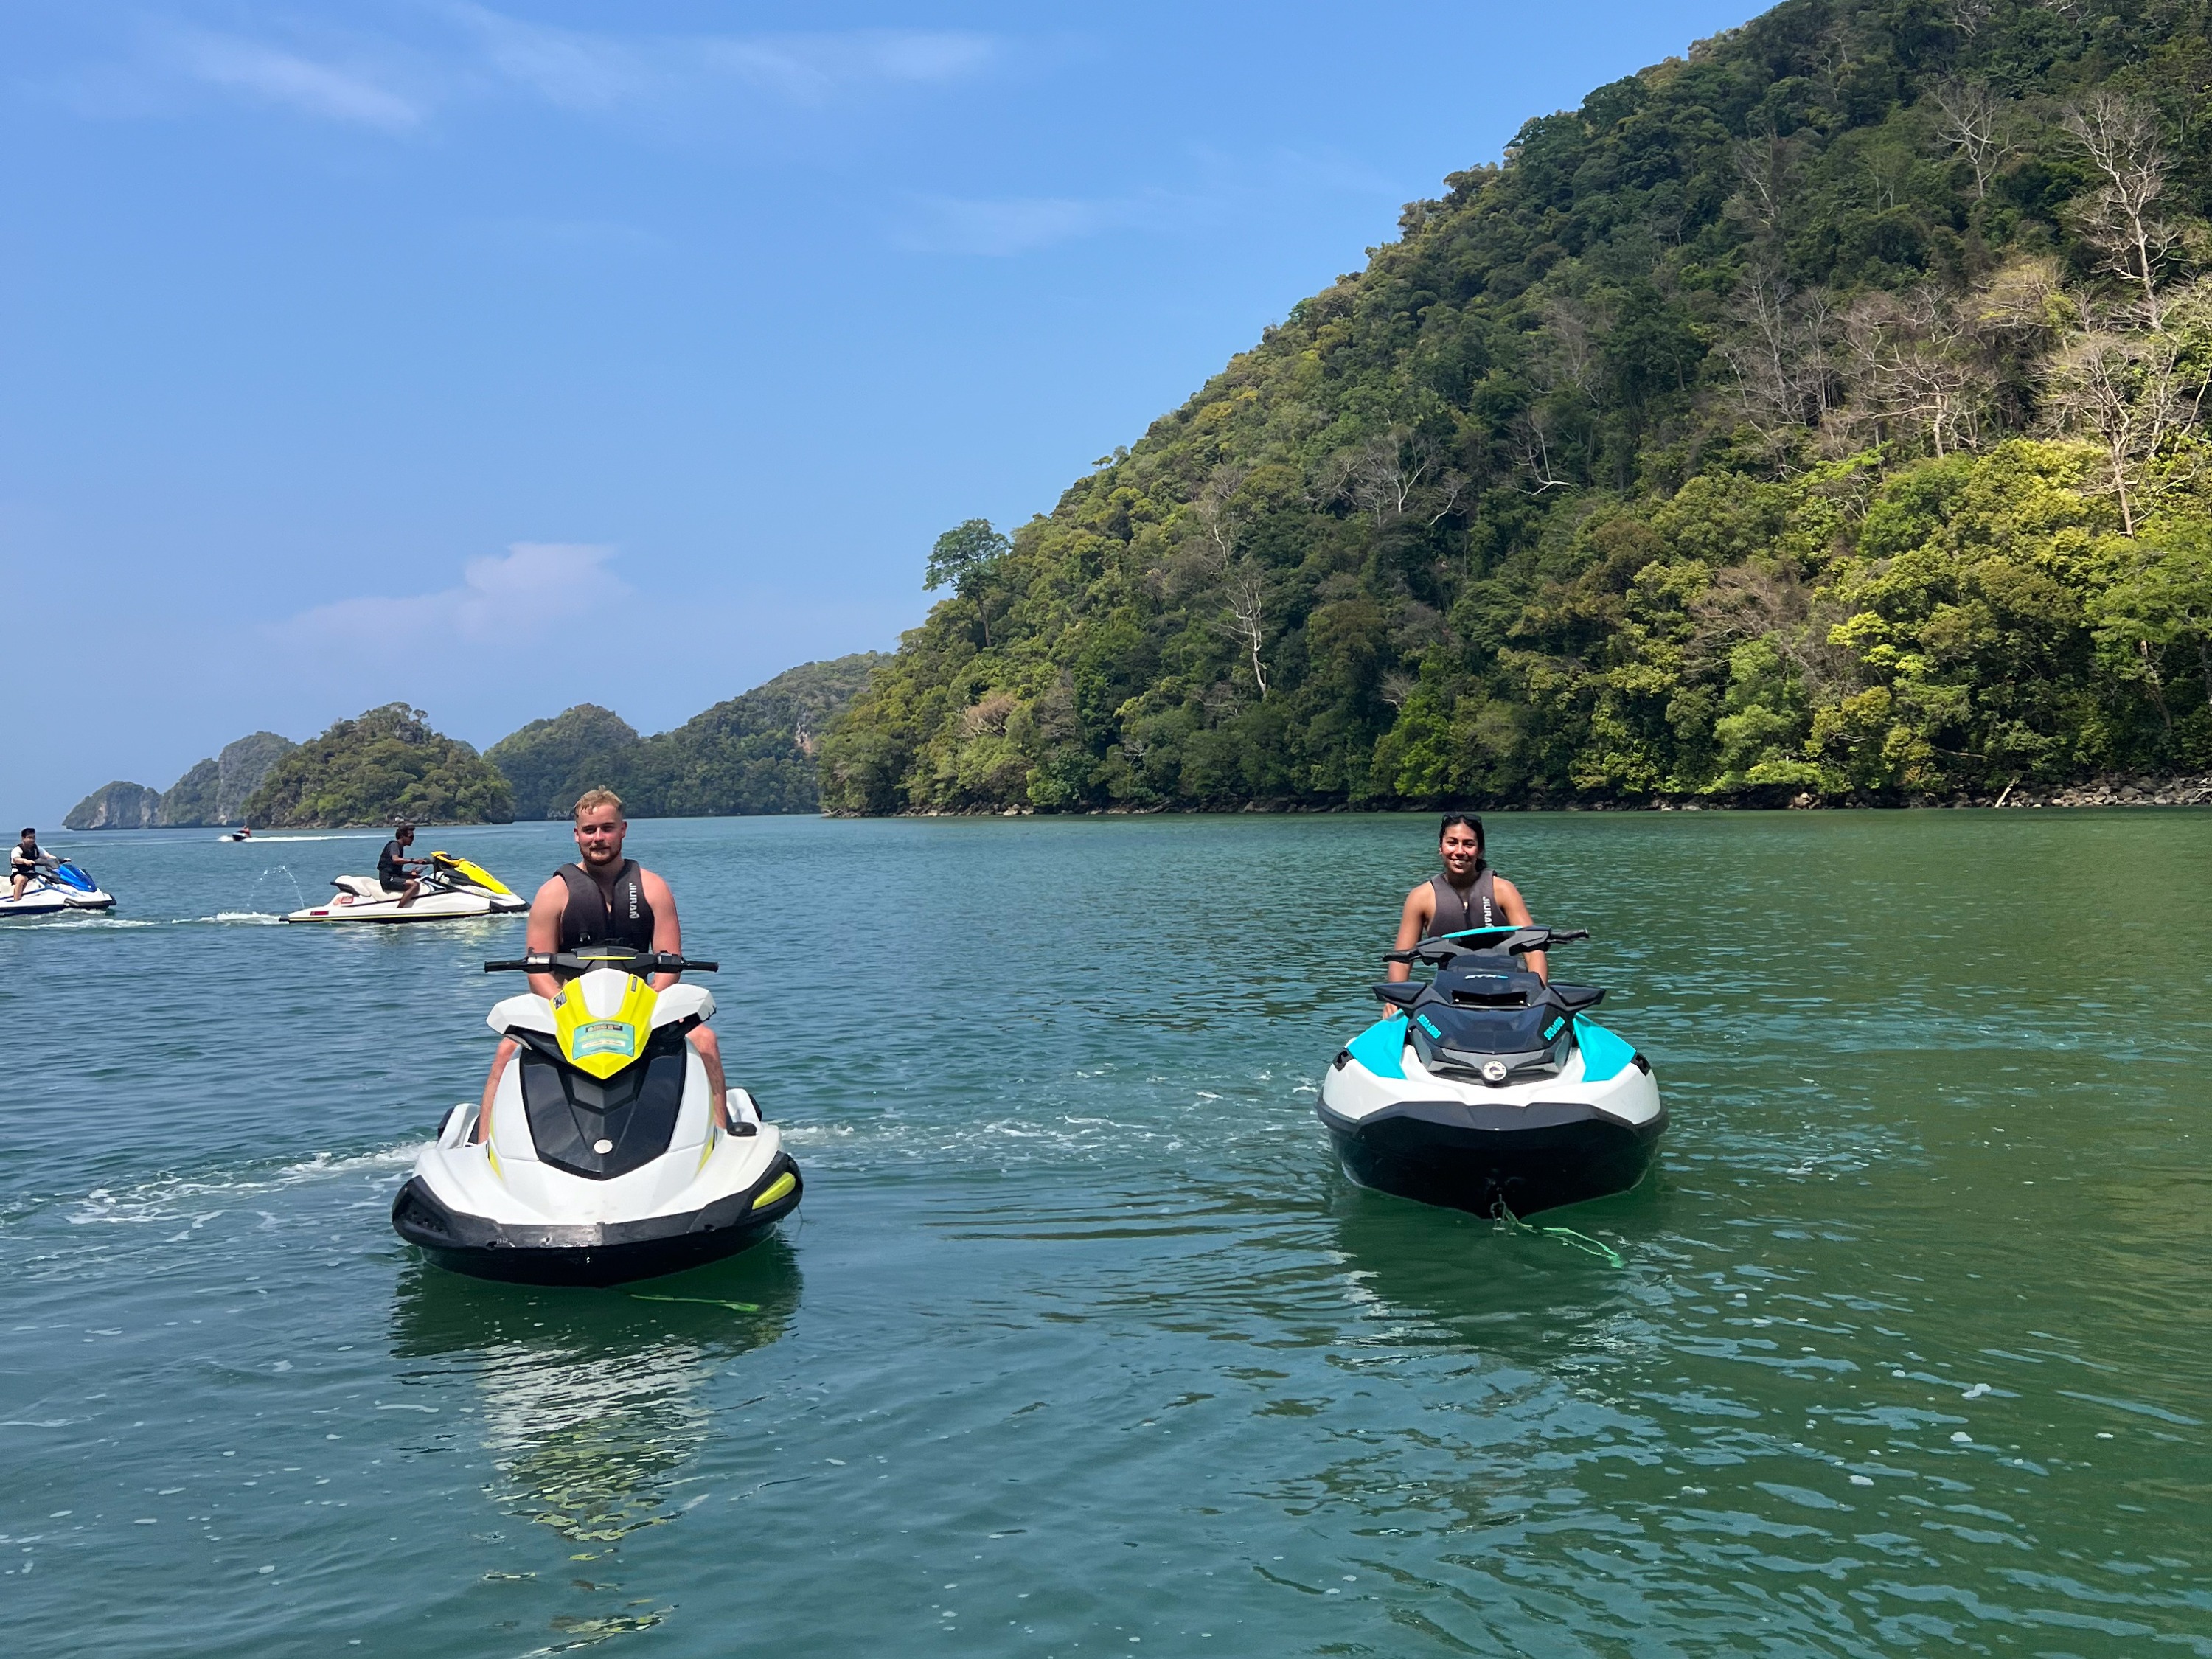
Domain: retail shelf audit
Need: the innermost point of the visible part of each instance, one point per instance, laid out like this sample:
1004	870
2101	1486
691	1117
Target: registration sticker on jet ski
604	1036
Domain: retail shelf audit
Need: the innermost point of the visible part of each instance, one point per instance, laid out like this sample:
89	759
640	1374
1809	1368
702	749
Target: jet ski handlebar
1488	941
642	963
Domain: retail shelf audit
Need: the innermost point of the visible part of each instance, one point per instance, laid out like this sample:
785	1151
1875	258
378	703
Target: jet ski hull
595	1254
1463	1157
53	899
430	907
1589	1131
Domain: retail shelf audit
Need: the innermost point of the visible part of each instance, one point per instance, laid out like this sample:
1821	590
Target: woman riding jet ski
605	1161
1487	1088
452	889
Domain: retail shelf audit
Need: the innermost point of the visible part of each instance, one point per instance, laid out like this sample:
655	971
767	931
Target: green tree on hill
1824	411
752	753
386	764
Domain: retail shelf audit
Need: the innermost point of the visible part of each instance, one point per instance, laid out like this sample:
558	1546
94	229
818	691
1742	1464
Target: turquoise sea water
1080	1345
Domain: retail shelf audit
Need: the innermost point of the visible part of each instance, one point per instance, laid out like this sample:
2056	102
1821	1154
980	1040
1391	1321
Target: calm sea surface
1080	1345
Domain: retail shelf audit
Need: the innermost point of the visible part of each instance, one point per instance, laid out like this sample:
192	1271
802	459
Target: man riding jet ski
42	884
451	890
601	1155
1489	1088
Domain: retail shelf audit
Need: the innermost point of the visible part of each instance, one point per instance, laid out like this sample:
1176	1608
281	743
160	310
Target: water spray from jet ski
1489	1090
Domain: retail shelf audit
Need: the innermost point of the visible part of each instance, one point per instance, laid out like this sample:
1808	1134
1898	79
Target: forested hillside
1822	413
386	765
752	753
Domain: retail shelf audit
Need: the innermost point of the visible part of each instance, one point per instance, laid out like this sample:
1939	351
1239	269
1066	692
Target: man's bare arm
667	930
543	935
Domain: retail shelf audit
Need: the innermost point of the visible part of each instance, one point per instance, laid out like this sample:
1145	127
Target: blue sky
504	357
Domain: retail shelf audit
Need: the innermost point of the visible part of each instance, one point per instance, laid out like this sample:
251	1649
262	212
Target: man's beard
602	860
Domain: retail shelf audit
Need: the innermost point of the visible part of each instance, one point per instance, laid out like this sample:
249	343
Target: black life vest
618	914
1456	912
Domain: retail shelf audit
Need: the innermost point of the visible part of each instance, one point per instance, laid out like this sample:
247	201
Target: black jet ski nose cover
632	1114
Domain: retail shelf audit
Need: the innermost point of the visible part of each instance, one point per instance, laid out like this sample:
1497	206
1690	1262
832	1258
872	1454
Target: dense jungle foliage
385	765
753	753
1823	413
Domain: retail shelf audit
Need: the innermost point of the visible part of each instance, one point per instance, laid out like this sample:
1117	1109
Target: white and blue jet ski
60	888
604	1162
1487	1088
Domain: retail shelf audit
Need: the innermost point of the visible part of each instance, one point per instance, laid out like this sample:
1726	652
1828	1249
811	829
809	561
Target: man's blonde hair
591	799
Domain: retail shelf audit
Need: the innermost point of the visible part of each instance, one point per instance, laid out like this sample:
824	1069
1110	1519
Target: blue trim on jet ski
1382	1047
1605	1057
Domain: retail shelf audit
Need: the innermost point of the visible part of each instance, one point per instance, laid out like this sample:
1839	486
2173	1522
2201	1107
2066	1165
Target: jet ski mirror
641	964
1403	992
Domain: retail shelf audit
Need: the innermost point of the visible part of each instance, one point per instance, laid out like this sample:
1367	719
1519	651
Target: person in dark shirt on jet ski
605	898
25	859
1468	894
392	873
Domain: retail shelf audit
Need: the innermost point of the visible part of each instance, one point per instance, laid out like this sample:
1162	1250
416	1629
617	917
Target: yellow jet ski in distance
452	890
603	1163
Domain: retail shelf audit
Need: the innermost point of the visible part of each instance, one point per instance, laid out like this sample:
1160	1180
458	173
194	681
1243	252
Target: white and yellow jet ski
452	890
604	1162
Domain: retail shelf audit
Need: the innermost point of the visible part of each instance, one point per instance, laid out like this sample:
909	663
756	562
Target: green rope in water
699	1301
1582	1242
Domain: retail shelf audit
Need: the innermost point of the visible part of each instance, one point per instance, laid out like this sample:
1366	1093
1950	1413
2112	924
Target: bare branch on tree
2121	215
1972	123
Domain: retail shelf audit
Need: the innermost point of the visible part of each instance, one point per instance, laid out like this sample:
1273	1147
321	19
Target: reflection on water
594	1407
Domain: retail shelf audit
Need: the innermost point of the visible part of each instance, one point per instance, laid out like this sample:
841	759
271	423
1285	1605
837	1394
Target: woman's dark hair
1471	821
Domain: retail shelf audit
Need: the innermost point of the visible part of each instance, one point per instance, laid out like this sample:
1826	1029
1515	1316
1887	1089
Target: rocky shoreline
2113	789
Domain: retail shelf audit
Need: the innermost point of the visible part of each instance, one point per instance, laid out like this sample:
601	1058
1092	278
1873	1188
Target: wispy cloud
300	83
469	52
511	599
1001	226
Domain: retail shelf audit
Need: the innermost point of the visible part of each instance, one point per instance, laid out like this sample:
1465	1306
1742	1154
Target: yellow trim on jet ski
600	1047
474	874
775	1190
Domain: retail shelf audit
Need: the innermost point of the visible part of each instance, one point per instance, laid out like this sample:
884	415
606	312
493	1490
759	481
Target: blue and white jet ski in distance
1487	1088
604	1162
59	888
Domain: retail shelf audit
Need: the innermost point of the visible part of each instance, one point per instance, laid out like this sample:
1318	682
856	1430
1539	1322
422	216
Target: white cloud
576	68
299	83
511	600
1006	225
394	81
566	67
810	68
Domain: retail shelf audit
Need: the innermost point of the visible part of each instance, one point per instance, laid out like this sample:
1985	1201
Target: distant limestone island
213	793
752	754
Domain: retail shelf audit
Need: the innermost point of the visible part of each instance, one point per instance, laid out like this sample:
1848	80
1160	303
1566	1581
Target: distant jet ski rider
605	898
25	859
392	873
1468	894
